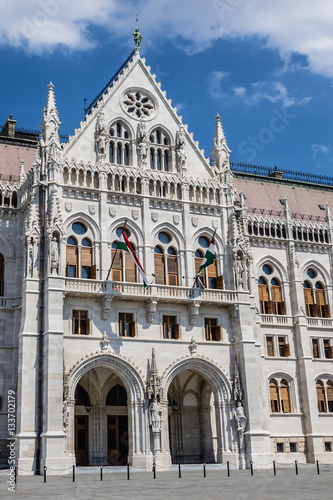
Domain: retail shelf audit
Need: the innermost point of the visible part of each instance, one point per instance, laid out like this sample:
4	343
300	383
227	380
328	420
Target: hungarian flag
124	244
209	257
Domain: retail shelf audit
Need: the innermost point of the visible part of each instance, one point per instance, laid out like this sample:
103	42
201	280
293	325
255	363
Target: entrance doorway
117	440
81	440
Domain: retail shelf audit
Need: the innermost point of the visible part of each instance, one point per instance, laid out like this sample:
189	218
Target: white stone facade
203	394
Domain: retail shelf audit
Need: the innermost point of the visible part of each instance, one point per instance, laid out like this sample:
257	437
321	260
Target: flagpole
114	256
195	279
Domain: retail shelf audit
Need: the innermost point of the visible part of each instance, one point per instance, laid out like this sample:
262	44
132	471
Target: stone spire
22	174
154	389
50	122
221	152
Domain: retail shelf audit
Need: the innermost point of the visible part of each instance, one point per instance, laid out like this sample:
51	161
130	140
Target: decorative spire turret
22	174
50	122
154	389
221	152
137	37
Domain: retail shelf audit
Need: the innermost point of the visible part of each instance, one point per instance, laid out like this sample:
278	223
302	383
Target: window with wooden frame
117	266
270	346
321	397
2	275
329	392
127	327
315	348
284	394
328	349
159	266
80	323
197	263
284	349
270	292
212	330
172	266
274	396
88	271
170	327
71	258
279	390
314	295
209	274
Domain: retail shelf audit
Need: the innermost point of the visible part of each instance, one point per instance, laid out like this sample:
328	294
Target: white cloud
290	26
320	148
274	92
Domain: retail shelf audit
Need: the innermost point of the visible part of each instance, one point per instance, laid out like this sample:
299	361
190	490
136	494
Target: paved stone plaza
217	485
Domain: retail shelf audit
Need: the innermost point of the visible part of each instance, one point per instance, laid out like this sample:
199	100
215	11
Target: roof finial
137	36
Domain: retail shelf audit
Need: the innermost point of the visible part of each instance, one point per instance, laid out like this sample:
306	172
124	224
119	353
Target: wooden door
81	440
117	440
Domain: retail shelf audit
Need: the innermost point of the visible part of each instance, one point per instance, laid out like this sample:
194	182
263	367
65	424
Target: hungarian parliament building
226	362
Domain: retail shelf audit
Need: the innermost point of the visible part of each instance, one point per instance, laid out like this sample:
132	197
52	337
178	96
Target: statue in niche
54	251
181	157
155	416
142	131
143	150
30	259
241	274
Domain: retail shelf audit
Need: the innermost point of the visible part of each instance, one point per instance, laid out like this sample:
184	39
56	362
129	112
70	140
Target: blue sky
267	69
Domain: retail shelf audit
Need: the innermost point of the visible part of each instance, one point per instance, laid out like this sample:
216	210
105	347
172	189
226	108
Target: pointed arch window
126	154
119	153
160	150
279	391
159	160
159	266
325	396
314	295
321	397
71	257
123	267
86	258
270	292
120	146
111	152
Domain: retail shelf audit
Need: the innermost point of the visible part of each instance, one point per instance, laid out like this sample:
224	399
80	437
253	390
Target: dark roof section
88	109
9	134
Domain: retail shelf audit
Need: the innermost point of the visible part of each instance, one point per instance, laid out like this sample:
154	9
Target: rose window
138	104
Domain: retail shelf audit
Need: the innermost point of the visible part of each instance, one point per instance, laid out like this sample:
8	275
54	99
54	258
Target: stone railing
320	322
276	320
137	291
8	303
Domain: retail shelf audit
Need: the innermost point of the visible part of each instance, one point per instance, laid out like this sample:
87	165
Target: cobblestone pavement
263	485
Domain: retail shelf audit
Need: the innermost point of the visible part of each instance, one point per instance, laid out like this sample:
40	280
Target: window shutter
218	333
321	397
286	350
329	389
285	398
173	280
212	273
172	264
130	268
71	255
326	311
270	346
159	269
118	259
176	331
133	329
93	272
85	256
116	275
269	307
283	308
88	326
219	282
330	352
274	396
313	310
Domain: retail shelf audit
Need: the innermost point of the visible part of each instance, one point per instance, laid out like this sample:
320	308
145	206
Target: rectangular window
328	445
270	346
279	447
315	348
293	447
81	323
170	327
327	349
126	325
284	350
212	330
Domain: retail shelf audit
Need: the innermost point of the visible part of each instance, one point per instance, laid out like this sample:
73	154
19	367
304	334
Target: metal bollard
73	473
101	472
154	470
296	467
228	468
204	467
45	468
274	468
251	465
318	471
179	471
128	472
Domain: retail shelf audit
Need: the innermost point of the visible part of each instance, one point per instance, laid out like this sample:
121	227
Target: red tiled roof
11	156
303	201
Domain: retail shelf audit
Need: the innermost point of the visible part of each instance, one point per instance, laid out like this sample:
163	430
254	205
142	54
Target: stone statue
142	131
105	343
193	346
181	155
241	272
54	251
143	150
30	260
65	415
100	134
155	416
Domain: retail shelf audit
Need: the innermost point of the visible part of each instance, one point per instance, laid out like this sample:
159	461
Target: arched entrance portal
101	419
192	419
